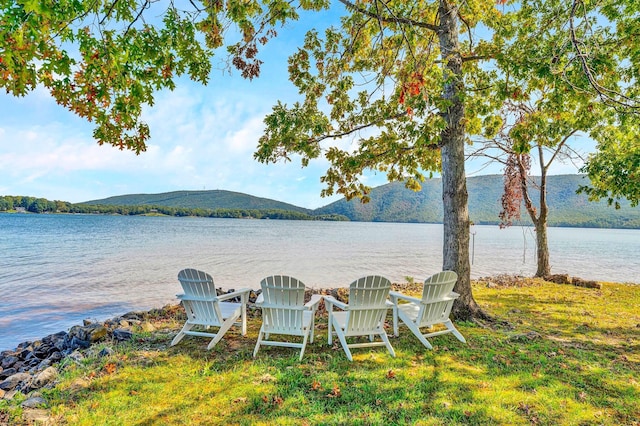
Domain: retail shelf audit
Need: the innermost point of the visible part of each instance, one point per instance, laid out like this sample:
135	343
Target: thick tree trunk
454	184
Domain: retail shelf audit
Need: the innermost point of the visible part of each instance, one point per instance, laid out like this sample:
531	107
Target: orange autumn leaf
335	392
315	385
110	368
391	374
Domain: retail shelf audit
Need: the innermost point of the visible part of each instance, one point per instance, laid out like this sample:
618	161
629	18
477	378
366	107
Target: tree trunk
454	184
542	244
539	220
544	270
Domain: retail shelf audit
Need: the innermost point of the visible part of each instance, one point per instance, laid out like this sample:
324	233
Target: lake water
56	270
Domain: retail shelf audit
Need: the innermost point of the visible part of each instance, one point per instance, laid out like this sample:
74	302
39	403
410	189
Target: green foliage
614	170
104	61
378	79
572	68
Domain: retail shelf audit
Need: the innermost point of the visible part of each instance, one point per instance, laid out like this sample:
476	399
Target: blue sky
202	137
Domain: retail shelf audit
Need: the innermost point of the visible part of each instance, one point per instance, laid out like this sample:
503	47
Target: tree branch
603	92
393	20
350	131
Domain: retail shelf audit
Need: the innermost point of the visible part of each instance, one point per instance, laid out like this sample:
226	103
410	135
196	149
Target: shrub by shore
556	354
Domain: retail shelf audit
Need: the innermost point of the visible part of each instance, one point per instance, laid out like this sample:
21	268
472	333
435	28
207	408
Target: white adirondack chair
284	312
204	308
364	315
433	308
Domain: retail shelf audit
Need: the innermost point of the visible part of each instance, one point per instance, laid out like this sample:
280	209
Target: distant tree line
42	205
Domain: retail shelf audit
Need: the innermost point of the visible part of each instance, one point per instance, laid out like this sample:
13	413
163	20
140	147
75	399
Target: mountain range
395	203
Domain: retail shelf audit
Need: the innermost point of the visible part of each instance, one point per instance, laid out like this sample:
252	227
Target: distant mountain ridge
394	203
212	199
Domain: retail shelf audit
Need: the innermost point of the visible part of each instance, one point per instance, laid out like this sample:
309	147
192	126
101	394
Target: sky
202	138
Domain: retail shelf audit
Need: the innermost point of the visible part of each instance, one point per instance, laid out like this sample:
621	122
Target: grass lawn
562	355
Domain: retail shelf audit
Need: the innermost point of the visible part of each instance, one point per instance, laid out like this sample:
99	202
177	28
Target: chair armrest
315	299
389	303
240	292
395	295
333	301
260	299
454	295
196	298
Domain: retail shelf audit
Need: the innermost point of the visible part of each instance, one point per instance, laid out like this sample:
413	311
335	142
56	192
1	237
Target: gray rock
9	395
44	378
76	356
12	382
9	360
7	372
105	352
121	334
33	402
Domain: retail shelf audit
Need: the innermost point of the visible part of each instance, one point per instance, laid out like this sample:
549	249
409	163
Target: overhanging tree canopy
104	60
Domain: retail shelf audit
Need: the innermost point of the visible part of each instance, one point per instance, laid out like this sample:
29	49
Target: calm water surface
56	270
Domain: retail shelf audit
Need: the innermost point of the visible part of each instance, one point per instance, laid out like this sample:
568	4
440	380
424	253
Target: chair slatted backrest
367	304
283	305
198	284
436	304
439	285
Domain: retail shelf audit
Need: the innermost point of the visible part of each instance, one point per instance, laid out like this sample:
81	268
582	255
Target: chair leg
454	331
313	326
226	325
416	331
343	342
329	325
395	318
304	345
181	334
257	348
387	343
244	316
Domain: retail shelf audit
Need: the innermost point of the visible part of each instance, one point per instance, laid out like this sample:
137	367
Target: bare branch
559	148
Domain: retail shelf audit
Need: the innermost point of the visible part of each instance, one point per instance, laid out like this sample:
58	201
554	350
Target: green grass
580	367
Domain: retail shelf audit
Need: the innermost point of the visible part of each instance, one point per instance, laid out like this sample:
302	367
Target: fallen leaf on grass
110	368
315	385
335	392
276	400
391	374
